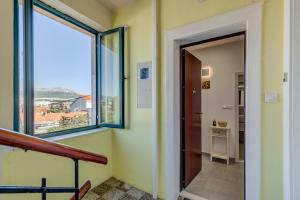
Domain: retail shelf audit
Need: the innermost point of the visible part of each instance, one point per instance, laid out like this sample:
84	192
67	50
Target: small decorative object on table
222	124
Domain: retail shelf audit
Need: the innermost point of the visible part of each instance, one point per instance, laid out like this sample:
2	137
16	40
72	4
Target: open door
191	157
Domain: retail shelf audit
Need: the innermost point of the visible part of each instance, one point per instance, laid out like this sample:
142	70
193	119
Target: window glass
64	74
70	89
110	107
21	65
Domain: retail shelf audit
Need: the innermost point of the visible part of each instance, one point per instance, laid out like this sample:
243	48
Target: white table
223	133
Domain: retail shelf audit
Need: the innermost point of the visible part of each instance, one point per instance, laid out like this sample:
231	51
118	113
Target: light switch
271	97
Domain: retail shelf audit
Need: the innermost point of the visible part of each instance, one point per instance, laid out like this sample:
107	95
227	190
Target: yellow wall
176	13
93	10
28	168
132	155
6	64
130	149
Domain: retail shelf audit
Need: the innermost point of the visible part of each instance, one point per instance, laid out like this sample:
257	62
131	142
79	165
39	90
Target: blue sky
63	57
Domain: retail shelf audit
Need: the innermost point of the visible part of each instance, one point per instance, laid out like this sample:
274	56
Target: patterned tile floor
113	189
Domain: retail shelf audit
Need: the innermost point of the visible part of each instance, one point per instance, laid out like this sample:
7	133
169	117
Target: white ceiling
115	4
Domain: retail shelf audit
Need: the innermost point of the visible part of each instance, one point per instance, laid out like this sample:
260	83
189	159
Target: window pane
64	75
21	66
110	79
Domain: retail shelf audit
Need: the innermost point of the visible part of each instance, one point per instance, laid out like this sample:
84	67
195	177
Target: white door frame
291	106
247	19
287	103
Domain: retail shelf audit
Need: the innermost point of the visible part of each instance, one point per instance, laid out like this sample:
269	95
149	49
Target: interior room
90	100
222	118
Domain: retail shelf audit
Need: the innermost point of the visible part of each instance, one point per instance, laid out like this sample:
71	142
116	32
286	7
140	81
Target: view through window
64	75
110	76
74	84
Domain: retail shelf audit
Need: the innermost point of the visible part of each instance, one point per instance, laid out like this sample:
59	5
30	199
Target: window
64	74
111	78
19	79
70	76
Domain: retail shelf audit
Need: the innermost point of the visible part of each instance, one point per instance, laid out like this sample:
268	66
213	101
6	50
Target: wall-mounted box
144	85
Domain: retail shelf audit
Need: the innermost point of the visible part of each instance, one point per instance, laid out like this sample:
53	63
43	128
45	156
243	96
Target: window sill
75	134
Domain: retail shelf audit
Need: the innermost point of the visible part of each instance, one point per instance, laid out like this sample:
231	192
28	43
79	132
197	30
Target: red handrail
26	142
83	190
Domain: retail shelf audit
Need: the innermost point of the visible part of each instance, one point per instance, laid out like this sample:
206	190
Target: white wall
225	60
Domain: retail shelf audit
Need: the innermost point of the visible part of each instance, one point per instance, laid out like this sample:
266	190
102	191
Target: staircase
114	189
30	143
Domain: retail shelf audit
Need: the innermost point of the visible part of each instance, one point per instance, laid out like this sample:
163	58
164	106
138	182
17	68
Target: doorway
213	117
246	19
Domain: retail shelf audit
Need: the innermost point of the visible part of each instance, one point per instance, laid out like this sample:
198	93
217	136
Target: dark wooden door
191	117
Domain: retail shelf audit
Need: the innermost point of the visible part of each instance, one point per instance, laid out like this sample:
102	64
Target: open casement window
111	50
69	76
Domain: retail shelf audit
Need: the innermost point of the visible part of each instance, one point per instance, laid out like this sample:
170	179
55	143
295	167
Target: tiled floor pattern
113	189
218	181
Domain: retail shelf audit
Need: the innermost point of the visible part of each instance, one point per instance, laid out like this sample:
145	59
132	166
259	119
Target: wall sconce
206	72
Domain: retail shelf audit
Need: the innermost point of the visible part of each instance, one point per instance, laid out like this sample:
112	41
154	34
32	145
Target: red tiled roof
54	117
40	109
87	98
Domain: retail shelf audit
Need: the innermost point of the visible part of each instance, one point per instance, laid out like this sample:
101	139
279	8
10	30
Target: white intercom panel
144	85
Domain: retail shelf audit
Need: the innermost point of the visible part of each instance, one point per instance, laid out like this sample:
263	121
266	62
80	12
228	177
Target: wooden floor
218	181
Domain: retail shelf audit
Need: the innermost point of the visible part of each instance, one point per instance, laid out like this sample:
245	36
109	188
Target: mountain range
55	93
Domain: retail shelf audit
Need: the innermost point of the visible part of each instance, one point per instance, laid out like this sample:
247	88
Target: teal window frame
28	69
121	31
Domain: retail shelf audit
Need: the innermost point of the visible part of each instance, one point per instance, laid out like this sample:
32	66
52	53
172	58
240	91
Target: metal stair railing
26	142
